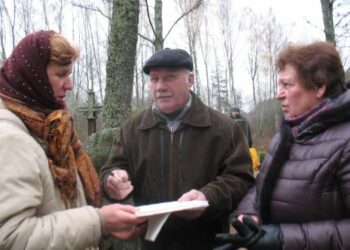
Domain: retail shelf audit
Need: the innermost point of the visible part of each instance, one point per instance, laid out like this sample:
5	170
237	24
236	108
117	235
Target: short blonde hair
62	51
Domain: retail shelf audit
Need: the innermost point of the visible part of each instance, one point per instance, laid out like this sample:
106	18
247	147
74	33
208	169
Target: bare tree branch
149	19
146	38
12	22
313	25
341	19
45	14
196	5
92	8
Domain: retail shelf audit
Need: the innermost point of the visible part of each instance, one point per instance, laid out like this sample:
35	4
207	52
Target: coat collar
338	113
7	116
197	115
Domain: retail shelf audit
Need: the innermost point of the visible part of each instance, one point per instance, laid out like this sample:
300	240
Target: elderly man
180	149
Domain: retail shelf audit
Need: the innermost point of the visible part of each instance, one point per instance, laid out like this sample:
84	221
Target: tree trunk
327	12
120	62
158	23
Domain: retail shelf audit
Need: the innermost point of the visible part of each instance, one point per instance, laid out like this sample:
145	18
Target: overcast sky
301	19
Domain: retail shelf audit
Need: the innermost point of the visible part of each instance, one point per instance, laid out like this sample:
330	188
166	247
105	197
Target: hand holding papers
157	214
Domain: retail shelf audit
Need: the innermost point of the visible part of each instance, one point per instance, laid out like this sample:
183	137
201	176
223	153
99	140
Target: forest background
233	42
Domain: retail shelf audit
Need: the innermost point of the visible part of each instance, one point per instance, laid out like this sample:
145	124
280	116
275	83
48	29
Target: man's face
235	114
170	88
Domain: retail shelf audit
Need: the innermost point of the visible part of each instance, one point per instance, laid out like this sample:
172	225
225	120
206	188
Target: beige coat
32	215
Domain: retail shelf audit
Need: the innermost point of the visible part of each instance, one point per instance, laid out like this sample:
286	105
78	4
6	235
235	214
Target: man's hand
118	185
189	196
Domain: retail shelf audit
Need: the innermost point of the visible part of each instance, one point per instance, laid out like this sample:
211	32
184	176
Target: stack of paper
157	214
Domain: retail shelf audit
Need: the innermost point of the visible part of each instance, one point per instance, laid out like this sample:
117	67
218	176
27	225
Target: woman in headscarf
302	196
49	190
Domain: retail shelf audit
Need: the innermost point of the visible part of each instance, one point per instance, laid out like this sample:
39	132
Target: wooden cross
91	112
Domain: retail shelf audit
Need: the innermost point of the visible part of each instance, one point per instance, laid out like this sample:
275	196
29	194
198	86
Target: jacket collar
197	115
338	113
9	117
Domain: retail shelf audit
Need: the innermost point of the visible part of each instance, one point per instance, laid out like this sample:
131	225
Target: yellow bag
255	158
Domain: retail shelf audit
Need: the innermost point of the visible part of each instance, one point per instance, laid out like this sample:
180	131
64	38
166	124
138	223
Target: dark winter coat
207	152
304	184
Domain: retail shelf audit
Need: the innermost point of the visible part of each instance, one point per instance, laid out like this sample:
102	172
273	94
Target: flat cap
235	109
169	58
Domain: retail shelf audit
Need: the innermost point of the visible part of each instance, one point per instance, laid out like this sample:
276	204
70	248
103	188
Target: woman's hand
255	218
121	221
251	235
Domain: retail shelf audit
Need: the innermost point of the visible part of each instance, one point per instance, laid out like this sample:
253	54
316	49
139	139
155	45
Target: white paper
155	223
157	214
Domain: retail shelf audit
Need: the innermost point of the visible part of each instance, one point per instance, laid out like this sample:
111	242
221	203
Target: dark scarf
23	75
281	155
301	122
174	119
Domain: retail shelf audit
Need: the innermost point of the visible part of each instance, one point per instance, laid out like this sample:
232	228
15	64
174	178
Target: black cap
235	109
172	58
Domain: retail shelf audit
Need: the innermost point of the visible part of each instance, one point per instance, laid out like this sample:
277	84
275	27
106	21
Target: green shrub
262	156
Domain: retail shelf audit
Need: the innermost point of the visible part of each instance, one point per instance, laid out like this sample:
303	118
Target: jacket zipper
171	164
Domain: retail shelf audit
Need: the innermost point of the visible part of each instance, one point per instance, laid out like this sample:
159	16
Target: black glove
251	236
227	246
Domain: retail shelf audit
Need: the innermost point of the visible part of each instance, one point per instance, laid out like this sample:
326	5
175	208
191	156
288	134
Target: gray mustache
162	94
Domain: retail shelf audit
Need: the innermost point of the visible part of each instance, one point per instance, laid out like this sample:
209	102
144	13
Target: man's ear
190	80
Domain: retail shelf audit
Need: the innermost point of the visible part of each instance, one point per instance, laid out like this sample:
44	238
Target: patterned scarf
64	150
26	91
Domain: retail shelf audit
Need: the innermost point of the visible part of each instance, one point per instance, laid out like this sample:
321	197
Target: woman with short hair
302	196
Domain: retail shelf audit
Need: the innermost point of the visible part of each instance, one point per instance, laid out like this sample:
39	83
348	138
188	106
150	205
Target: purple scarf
300	122
23	75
